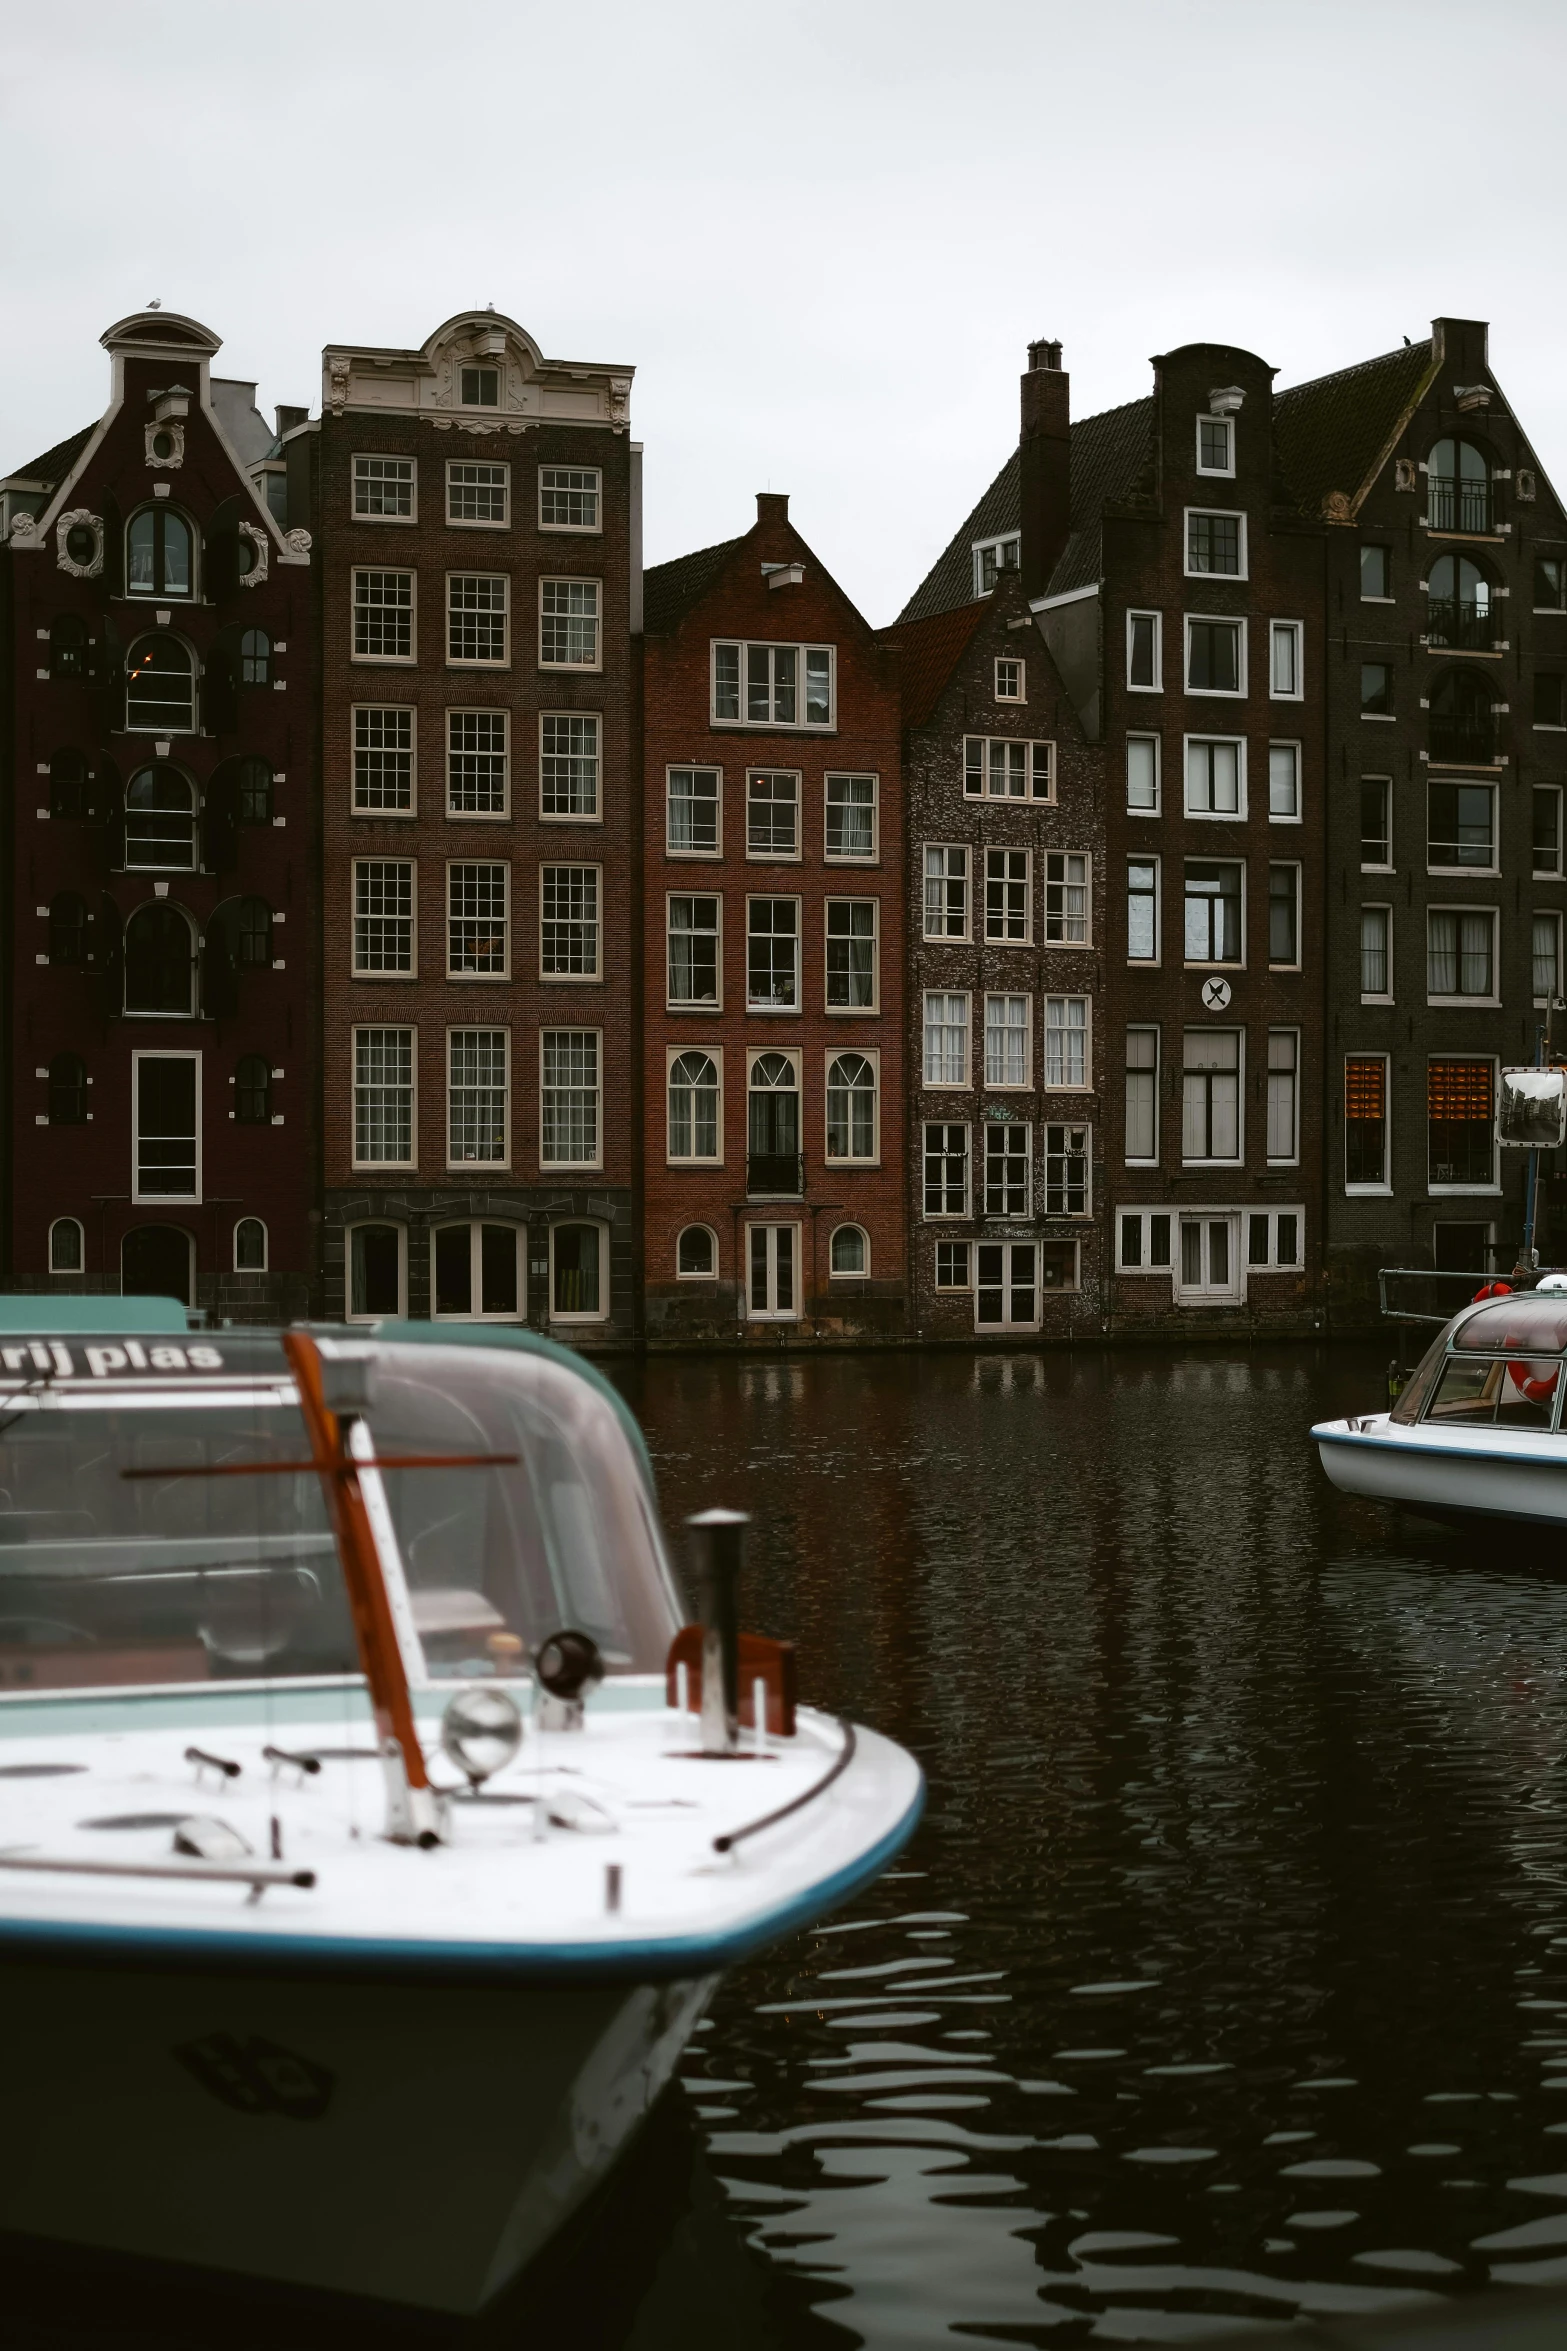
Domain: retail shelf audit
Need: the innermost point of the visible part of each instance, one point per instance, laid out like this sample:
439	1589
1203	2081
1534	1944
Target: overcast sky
822	232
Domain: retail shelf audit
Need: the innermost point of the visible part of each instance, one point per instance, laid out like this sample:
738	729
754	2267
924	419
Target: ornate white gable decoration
79	519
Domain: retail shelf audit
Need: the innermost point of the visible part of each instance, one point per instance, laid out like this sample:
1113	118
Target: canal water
1226	1977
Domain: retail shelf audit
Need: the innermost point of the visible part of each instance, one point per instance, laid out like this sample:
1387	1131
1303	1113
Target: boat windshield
112	1580
1509	1392
1523	1325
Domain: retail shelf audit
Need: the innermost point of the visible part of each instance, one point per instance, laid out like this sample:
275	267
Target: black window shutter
219	847
221	553
113	547
219	988
219	694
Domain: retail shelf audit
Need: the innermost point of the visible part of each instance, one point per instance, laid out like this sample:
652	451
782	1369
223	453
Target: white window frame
600	1313
359	1223
474	522
549	1166
1068	1126
1032	764
408	660
362	972
1390	864
573	668
1296	750
1283	1158
1209	1293
869	1011
474	1227
1226	425
1064	1085
579	530
1383	1190
489	1029
1487	1191
469	979
1147	962
1228	620
364	710
963	1082
862	1273
1218	1028
366	1028
80	1230
744	646
572	979
499	815
1236	815
1384	908
777	1011
1273	1217
990	1124
1024	1084
1217	513
695	1004
694	767
1448	873
845	775
1143	1218
772	1226
948	1215
360	513
872	1055
1143	612
1467	1003
480	660
1541	873
697	1226
1018	692
946	849
1294	866
1086	942
1551	914
796	855
980	548
594	815
1190	963
1007	1323
1294	633
1156	743
715	1054
960	1289
1142	1028
191	1199
1008	850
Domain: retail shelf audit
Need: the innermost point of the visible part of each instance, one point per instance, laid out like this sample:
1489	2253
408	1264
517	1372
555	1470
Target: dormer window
1216	444
158	553
991	558
481	387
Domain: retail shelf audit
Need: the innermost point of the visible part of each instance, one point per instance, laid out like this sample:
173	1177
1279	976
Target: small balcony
1464	738
1458	505
1462	623
775	1175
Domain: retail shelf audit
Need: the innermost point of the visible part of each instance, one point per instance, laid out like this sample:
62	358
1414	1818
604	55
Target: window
568	765
476	611
1066	898
1213	913
383	1097
1376	954
1008	1058
1376	821
69	798
693	804
851	955
569	922
477	493
568	624
999	768
67	1091
773	1125
160	687
383	758
1006	1292
694	1123
946	1170
1550	583
1010	680
1461	953
1546	953
1066	1041
252	1091
253	935
158	551
1215	657
1460	1113
383	916
772	815
160	821
1007	897
1284	915
385	487
569	1080
1145	652
849	1251
1143	1242
376	1266
772	959
481	387
693	934
568	497
1458	487
946	1039
1066	1171
166	1149
255	658
1142	774
68	647
991	558
1142	1097
696	1255
252	791
1365	1122
67	928
1273	1240
1548	698
1376	689
477	1091
383	616
946	892
1284	783
477	763
1210	1095
851	1107
1461	607
579	1285
773	685
1461	825
1376	575
1283	1094
66	1251
250	1245
1215	444
851	816
1216	543
1215	776
1547	835
773	1256
476	920
1285	660
1008	1152
160	961
952	1266
475	1270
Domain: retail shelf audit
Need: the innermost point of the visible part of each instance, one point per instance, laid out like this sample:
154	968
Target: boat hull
1458	1477
415	2143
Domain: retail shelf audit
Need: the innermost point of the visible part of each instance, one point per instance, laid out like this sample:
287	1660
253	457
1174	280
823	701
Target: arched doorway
155	1262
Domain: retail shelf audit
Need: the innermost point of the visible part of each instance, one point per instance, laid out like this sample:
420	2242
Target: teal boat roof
520	1342
31	1312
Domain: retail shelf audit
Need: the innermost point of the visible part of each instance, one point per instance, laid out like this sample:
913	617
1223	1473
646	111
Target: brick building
773	859
160	799
1178	587
477	509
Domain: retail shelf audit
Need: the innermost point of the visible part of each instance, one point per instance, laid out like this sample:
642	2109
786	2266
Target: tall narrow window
252	1091
1547	833
1142	774
253	791
946	892
1210	1095
568	765
1066	1041
568	624
477	1084
1213	913
569	1122
569	922
477	763
383	616
1006	1041
1376	959
693	1107
66	1251
1284	916
167	1138
1546	945
772	964
693	811
772	815
1143	652
383	757
383	1097
158	547
476	924
1376	574
1284	660
1283	782
1142	1097
1142	910
1215	777
946	1039
476	613
1460	1115
1066	898
160	687
773	1126
1376	821
1365	1119
1007	895
383	915
160	821
851	816
1460	953
851	1107
1008	1151
67	928
851	954
945	1161
1283	1094
1066	1171
693	939
68	1092
255	658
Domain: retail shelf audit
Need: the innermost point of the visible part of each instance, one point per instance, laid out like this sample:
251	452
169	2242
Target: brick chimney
772	506
1044	465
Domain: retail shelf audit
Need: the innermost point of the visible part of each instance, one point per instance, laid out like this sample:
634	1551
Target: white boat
1477	1432
349	1925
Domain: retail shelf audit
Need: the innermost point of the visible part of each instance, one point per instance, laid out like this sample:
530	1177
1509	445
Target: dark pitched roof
929	650
55	463
1328	434
950	580
670	589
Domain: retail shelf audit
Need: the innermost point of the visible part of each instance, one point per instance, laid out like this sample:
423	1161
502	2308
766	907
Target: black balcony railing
1461	622
1469	740
774	1175
1457	505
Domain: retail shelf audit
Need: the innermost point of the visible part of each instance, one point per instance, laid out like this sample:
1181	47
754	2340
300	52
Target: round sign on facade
1216	995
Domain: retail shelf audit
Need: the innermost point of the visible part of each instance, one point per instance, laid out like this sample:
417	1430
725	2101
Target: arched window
851	1107
255	655
696	1254
1463	719
773	1125
68	647
253	791
1461	611
160	687
68	787
67	1090
849	1250
1458	487
160	821
250	1245
160	960
253	935
66	1252
155	1262
253	1091
375	1269
67	928
577	1282
693	1107
158	545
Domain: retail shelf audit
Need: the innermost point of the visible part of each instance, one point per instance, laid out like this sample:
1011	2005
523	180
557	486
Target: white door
1209	1268
774	1293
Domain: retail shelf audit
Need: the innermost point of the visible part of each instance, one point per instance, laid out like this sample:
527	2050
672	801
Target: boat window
1519	1322
1421	1381
1504	1392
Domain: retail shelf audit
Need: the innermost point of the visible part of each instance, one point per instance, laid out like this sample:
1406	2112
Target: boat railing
1457	1287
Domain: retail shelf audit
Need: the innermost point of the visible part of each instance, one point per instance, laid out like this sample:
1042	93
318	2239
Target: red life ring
1537	1381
